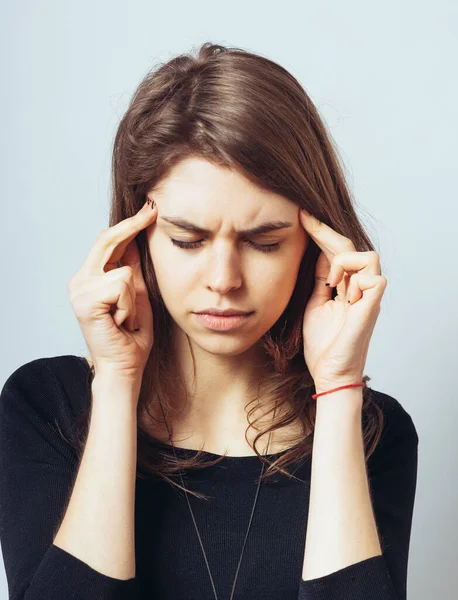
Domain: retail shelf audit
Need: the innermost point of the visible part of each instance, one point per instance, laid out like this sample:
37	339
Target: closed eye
260	247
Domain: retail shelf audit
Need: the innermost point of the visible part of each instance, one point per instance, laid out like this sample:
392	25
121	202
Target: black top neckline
253	457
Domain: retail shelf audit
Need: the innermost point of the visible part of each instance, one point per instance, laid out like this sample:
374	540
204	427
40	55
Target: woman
228	196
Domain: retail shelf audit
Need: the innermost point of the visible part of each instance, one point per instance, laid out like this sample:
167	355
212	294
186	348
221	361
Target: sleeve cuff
366	579
62	575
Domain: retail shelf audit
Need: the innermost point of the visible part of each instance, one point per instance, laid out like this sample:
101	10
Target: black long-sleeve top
37	467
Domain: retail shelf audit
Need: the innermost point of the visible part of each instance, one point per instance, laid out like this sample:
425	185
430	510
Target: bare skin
185	438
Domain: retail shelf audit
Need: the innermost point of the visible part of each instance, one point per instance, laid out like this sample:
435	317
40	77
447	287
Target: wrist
106	385
340	400
322	386
334	393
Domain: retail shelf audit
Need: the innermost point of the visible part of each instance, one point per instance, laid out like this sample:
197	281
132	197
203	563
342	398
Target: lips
228	312
222	323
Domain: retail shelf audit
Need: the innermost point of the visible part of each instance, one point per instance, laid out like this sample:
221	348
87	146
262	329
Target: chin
231	347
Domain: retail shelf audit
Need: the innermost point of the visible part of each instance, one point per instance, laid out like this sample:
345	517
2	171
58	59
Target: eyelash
266	248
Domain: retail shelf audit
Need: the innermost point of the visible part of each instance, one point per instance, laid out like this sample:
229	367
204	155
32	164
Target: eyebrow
263	228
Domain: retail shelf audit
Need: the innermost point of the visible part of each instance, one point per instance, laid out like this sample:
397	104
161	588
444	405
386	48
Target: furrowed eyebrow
263	228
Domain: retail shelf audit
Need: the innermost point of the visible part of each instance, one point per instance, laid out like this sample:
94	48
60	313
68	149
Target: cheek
171	272
277	285
278	274
273	285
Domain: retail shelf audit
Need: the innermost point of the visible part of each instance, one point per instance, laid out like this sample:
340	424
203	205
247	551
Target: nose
223	271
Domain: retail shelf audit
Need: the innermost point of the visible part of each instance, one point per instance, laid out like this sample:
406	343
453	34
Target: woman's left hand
337	332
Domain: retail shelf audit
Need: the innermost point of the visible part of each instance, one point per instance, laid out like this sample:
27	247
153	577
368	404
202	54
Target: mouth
222	322
227	312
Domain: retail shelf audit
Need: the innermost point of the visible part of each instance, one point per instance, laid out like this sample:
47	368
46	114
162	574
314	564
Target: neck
221	391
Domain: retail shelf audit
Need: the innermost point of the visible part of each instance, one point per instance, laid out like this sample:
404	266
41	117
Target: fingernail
327	284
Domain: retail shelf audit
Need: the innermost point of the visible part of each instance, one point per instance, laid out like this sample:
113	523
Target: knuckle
80	308
125	287
72	287
339	258
73	280
127	273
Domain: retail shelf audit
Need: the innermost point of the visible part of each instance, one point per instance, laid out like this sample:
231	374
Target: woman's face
223	268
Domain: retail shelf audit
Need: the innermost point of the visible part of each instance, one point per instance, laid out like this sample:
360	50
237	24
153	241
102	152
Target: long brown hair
242	111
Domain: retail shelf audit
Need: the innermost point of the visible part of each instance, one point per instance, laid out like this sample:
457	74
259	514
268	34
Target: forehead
195	182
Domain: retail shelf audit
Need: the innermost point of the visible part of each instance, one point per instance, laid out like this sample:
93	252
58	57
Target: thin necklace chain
195	524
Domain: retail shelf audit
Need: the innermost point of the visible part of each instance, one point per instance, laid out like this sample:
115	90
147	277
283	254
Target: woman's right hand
108	300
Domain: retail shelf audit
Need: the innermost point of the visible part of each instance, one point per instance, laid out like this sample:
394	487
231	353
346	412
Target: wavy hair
242	111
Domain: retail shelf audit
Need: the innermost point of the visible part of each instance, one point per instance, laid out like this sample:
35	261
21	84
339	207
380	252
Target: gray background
383	77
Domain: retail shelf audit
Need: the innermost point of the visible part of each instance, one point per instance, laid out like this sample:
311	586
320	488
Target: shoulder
398	420
399	434
47	389
65	375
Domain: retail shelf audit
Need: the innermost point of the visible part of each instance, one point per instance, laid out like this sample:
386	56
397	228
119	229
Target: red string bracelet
342	387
